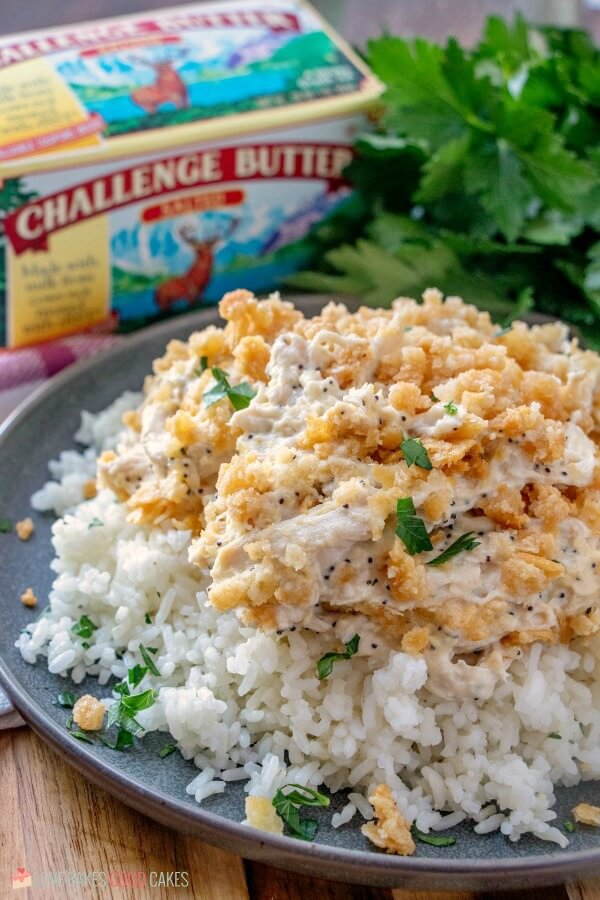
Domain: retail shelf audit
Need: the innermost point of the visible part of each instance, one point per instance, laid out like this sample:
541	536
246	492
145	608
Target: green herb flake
435	840
415	453
451	408
148	619
81	736
66	699
124	741
569	827
202	367
464	542
288	803
555	736
135	674
84	628
5	526
325	664
95	523
239	395
167	750
410	528
151	665
434	398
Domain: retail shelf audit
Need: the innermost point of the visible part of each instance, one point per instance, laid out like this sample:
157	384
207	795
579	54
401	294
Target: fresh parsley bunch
482	177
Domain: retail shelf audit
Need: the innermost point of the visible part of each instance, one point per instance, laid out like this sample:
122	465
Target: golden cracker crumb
587	814
88	713
260	813
24	529
390	830
28	598
89	489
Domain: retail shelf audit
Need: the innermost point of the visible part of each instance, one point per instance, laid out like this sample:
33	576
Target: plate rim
368	867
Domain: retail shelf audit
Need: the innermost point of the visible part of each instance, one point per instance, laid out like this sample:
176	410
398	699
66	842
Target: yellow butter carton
150	163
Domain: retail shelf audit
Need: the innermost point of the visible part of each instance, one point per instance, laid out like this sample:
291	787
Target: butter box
150	163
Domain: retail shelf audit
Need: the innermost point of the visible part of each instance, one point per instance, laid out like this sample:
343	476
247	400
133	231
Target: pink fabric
18	367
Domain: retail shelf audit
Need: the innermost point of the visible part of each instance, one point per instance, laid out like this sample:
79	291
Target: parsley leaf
66	699
288	804
148	619
415	453
464	542
239	395
5	526
202	367
81	736
451	408
435	840
95	523
148	660
135	674
84	628
167	750
124	740
555	736
122	712
410	528
569	827
325	664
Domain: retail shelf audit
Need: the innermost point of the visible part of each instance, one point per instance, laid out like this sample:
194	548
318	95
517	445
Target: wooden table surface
54	822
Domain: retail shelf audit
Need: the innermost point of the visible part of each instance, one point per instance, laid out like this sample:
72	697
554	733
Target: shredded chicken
292	500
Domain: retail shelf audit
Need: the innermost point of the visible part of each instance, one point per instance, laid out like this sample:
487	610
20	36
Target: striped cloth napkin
21	371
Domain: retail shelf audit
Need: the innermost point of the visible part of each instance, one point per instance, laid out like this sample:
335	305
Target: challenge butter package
150	163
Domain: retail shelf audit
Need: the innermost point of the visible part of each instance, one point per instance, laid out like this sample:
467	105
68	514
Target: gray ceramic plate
38	431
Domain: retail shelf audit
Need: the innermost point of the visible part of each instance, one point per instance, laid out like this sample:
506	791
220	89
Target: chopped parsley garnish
123	742
451	408
464	542
434	398
95	523
239	395
167	750
288	804
123	711
84	628
66	699
325	664
415	453
5	526
555	736
436	840
569	827
135	674
148	619
202	367
81	736
145	653
410	528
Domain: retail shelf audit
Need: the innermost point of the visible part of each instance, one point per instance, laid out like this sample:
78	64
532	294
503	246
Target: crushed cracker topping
88	713
261	814
28	598
89	489
24	529
587	814
390	830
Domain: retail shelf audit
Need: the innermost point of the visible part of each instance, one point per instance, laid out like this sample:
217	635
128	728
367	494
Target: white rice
246	705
